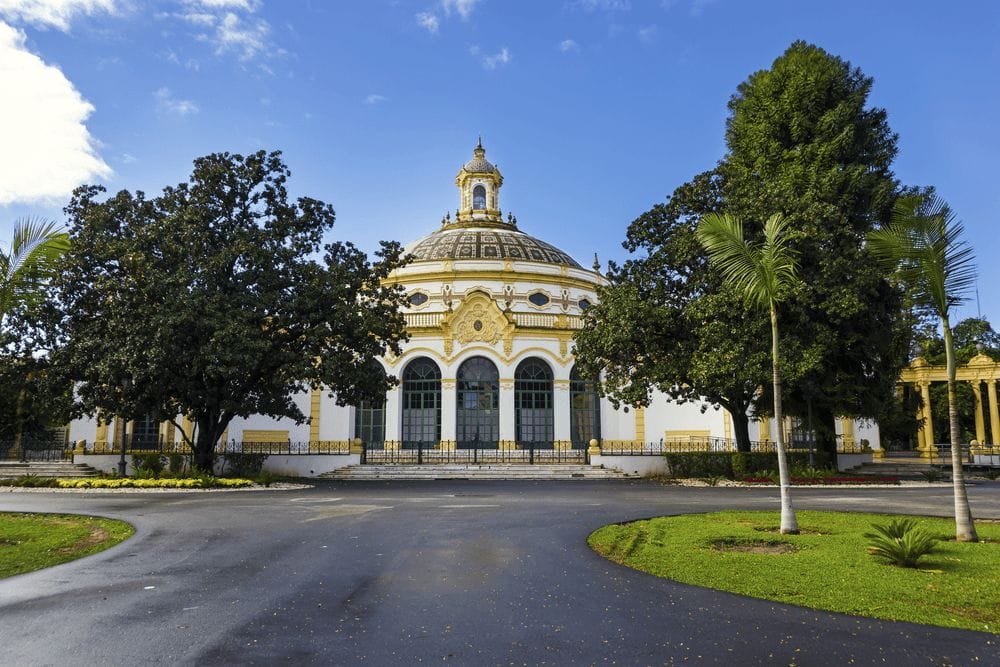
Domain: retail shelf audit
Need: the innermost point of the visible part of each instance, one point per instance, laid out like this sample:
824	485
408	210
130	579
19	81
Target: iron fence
29	449
141	446
419	453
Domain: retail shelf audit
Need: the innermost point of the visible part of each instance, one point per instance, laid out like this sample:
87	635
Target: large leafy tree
803	142
218	299
924	244
667	321
763	272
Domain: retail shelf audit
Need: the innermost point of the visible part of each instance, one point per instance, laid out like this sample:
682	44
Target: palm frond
33	258
924	243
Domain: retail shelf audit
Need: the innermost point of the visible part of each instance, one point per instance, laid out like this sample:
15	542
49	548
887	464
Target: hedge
736	465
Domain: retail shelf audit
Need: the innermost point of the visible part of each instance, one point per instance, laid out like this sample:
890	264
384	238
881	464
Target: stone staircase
62	469
393	472
903	465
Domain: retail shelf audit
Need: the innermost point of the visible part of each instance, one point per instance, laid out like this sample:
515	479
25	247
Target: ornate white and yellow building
491	312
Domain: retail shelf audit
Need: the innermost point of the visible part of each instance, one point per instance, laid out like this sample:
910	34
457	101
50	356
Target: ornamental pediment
478	319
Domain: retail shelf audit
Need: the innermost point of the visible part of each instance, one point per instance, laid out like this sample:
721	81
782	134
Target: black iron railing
29	449
471	452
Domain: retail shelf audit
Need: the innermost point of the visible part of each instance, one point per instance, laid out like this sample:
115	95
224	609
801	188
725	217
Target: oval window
584	304
418	299
538	299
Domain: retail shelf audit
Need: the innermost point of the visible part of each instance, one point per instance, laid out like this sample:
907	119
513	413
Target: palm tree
923	244
762	273
32	259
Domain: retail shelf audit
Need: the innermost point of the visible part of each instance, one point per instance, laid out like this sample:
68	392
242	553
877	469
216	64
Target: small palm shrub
932	475
900	542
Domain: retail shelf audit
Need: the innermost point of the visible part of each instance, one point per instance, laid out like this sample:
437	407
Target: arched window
477	413
369	419
479	198
421	404
585	411
533	403
145	433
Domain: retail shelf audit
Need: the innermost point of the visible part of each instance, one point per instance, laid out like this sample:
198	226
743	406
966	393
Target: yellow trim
314	408
264	435
847	430
102	429
410	353
640	424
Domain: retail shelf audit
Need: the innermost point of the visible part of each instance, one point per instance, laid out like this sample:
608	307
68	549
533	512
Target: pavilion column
980	422
927	449
508	427
449	395
640	424
393	416
765	429
561	418
994	414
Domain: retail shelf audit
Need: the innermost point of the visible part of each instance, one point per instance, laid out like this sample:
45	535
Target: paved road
476	573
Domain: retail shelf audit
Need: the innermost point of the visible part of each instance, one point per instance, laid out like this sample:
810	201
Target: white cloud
375	99
568	46
248	37
428	22
502	57
53	13
603	5
230	26
47	149
648	34
462	7
167	103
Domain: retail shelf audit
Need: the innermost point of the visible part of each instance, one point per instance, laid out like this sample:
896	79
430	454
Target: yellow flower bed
129	483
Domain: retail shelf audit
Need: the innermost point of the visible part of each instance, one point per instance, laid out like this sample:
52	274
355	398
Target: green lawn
33	541
825	567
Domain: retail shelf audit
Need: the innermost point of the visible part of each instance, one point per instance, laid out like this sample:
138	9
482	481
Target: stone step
14	469
374	472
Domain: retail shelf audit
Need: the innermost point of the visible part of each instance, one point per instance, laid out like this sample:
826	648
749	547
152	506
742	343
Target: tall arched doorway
369	418
421	404
477	409
585	411
533	403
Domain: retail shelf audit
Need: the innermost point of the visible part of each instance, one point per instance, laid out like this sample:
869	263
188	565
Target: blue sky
593	109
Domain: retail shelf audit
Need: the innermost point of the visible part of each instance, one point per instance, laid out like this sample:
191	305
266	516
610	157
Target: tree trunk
789	526
741	430
965	530
203	452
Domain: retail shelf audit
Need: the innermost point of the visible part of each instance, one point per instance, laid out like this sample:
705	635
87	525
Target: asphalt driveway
477	573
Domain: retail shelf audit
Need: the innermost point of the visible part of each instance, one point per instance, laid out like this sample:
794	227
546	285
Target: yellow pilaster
167	430
847	429
765	430
994	413
187	428
314	401
640	424
727	425
980	422
927	450
102	428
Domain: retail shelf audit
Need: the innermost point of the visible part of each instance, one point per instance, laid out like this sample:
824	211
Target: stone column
393	416
765	430
561	418
927	450
847	430
994	414
315	397
449	394
640	425
980	422
508	428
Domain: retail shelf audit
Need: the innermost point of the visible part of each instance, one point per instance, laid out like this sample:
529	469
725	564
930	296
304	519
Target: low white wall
299	465
308	465
848	461
644	466
986	459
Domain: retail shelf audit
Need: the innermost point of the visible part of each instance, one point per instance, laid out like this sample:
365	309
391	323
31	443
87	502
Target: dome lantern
479	182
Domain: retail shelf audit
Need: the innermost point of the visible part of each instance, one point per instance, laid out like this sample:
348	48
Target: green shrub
30	481
176	463
266	478
700	464
148	466
900	542
243	464
932	475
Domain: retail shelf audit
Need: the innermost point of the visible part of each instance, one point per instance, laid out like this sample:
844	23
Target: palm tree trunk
965	530
789	526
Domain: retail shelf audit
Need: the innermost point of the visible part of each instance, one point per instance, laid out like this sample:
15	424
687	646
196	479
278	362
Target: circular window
477	325
538	299
418	299
584	304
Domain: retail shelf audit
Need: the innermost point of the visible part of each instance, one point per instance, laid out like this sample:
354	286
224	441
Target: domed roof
479	164
501	242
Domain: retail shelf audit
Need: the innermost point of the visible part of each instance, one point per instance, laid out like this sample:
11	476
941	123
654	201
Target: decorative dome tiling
487	244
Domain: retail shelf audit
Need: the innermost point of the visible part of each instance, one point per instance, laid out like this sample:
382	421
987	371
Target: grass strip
33	541
826	567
